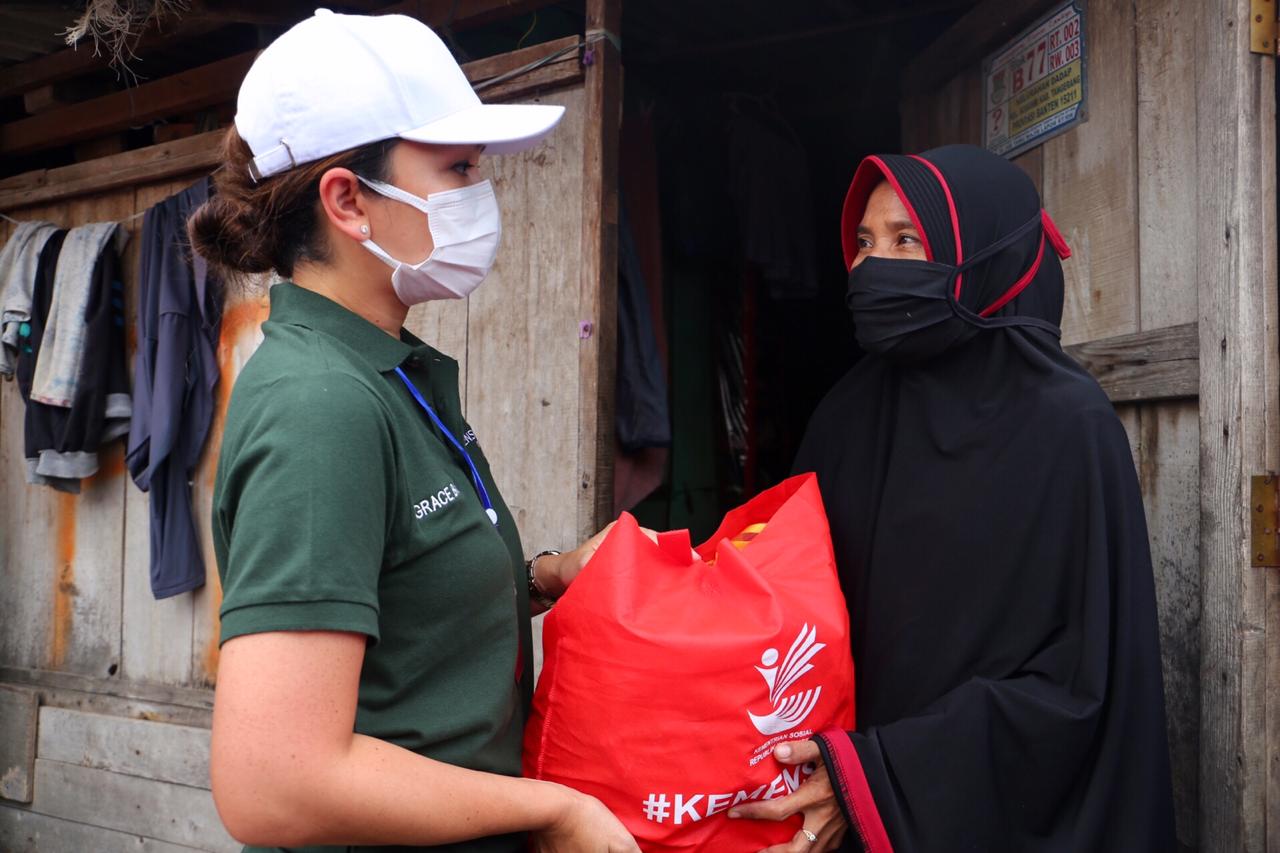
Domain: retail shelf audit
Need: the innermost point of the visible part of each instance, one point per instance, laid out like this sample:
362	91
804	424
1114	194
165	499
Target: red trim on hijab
1055	236
859	191
1018	286
955	217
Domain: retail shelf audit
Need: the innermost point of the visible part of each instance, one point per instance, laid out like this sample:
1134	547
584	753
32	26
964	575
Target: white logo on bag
788	711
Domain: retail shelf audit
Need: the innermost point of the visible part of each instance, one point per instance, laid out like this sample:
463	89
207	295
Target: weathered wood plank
1091	184
28	535
1170	468
522	334
18	722
443	324
1161	364
983	29
86	597
564	71
915	124
1166	160
146	700
1239	377
598	275
178	814
151	750
1130	415
957	110
238	339
188	90
1169	473
24	831
184	157
142	165
1032	162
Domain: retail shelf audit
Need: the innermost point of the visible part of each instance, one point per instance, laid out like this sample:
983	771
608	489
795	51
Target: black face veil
992	545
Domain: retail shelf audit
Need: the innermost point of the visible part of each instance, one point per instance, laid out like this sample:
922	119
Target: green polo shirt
339	506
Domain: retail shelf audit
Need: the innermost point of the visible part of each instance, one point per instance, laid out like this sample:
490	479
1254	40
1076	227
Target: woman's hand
556	572
815	799
586	826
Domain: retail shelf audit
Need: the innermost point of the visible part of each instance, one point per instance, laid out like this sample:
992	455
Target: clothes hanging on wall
57	377
643	418
61	443
18	261
638	470
175	372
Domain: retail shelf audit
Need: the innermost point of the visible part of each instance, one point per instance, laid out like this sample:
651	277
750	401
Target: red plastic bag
668	680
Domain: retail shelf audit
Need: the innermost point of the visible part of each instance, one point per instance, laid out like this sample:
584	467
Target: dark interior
760	114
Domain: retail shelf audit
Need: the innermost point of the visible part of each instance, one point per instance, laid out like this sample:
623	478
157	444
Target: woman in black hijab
990	538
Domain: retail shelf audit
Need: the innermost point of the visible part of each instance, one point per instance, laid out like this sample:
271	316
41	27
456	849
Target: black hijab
991	543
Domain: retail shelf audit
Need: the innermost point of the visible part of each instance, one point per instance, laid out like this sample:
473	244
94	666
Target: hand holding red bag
669	678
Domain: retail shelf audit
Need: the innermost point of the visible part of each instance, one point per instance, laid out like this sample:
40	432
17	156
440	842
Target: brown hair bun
247	228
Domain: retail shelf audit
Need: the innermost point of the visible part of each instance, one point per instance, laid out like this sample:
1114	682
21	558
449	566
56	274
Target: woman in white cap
375	667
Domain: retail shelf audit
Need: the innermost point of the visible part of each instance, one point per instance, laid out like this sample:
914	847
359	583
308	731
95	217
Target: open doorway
742	127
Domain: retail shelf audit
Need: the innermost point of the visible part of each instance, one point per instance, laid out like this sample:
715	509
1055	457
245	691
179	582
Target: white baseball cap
334	82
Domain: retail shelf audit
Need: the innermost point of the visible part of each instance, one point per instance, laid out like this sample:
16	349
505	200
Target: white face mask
465	227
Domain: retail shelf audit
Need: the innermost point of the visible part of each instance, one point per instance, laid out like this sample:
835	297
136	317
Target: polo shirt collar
297	306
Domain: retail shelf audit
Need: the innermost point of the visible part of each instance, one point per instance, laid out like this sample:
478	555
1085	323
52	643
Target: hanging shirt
62	442
62	354
18	261
175	372
340	506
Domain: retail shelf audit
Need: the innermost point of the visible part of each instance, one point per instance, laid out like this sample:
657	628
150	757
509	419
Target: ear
344	204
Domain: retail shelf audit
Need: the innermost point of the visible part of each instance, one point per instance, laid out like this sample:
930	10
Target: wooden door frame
1239	409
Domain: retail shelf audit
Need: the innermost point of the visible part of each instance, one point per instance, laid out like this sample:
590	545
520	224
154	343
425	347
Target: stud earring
364	229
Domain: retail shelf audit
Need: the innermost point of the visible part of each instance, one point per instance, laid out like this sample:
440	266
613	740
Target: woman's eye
864	243
463	167
907	239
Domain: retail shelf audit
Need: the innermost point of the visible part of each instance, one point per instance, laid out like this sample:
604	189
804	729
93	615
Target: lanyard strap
435	419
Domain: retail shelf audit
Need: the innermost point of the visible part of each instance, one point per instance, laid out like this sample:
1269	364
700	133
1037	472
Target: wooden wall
104	692
1122	187
75	600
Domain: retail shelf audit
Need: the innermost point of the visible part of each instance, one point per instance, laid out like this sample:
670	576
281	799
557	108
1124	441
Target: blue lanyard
475	473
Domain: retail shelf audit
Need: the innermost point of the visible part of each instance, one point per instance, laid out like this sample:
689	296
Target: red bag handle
675	545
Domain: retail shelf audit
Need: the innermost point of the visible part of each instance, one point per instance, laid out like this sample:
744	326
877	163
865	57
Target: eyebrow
897	225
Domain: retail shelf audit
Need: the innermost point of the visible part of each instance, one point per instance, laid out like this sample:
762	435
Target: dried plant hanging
116	26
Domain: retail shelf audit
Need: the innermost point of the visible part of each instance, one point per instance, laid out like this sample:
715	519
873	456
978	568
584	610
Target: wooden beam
136	699
1161	364
598	288
565	70
72	62
204	151
18	709
1235	257
990	24
284	13
462	14
142	165
190	90
213	15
